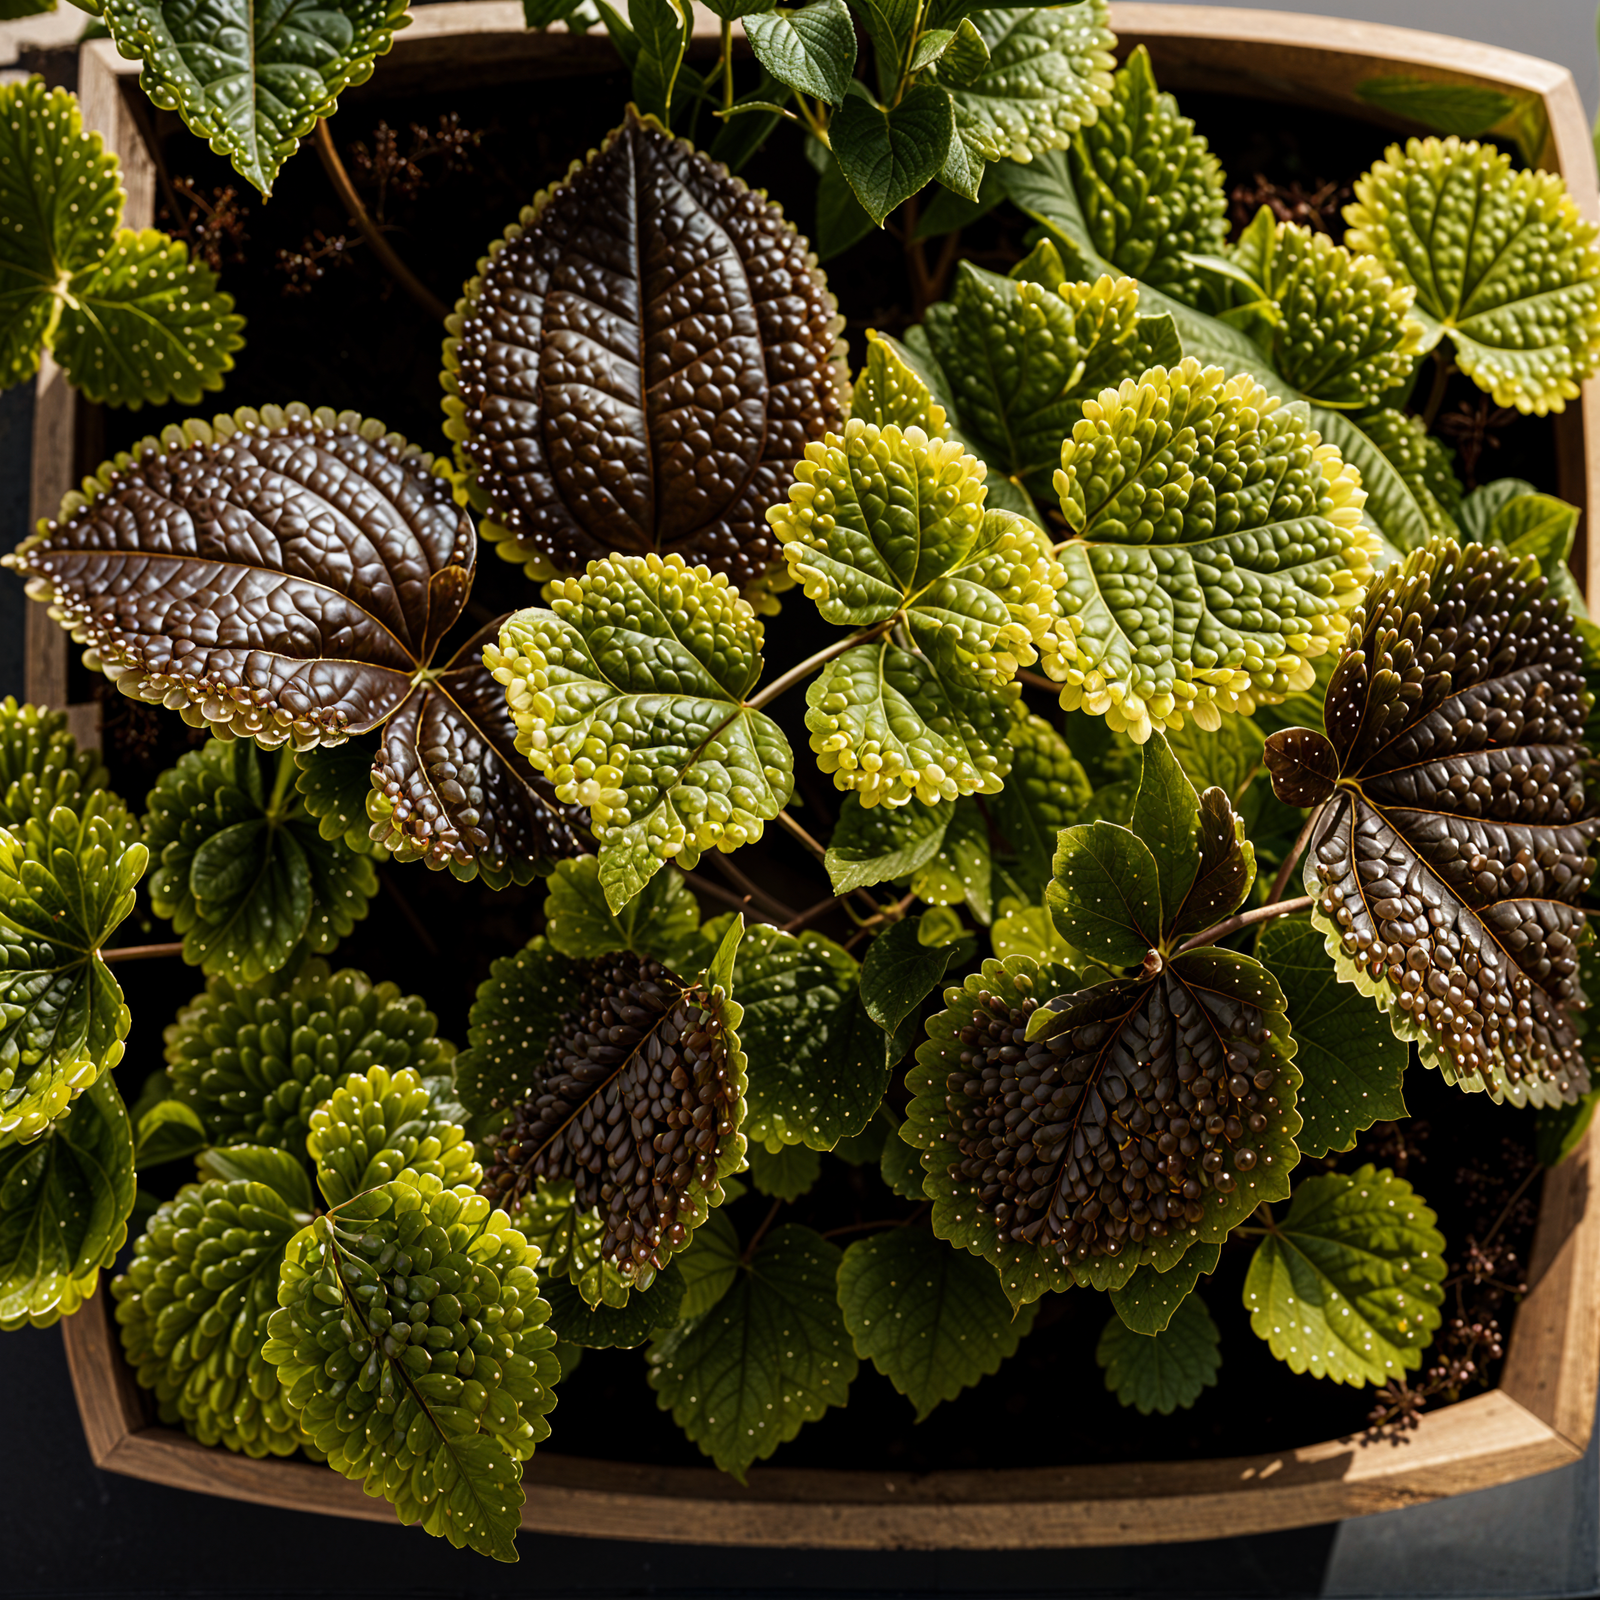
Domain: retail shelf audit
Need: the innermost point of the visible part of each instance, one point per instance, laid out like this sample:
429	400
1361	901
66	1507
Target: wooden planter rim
1540	1416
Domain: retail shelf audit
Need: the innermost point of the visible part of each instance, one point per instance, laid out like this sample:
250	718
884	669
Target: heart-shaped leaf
887	156
1147	1302
698	420
1151	490
1163	1371
812	49
1150	190
628	695
1465	109
168	1131
1502	261
66	882
931	1319
65	1200
1105	895
241	867
1449	864
1349	1283
253	81
899	973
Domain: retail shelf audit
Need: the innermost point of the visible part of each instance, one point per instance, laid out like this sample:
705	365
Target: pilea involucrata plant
963	836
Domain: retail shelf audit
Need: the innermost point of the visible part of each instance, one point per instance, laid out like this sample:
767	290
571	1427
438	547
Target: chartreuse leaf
1151	490
1502	261
41	766
241	866
1424	468
1021	929
785	1173
65	1200
168	1131
889	389
1150	190
569	1237
127	314
1147	1301
887	156
1348	1284
1048	72
66	882
1021	357
797	991
253	82
1045	791
1105	896
606	1327
628	694
771	1355
931	1319
1167	1370
1349	1058
662	921
873	844
811	49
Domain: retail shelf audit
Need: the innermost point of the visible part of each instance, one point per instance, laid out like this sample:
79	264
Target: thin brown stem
761	1233
882	1222
141	952
1035	681
786	821
1443	366
752	889
1516	1194
381	248
795	924
739	902
1296	850
1246	919
766	696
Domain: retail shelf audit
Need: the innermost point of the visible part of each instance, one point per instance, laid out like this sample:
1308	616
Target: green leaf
1479	509
629	696
65	1201
1167	1371
1352	1064
1349	1283
854	1072
931	1319
812	49
1150	190
887	156
1045	791
663	29
41	766
901	1167
1026	930
770	1356
275	1169
1147	1301
1465	109
1148	529
1224	873
242	869
797	991
1105	897
1048	73
253	82
128	315
889	389
662	921
963	56
1537	525
899	972
66	883
878	843
569	1238
841	218
334	783
961	871
1228	758
1166	817
785	1173
865	1149
1426	500
1502	261
709	1266
606	1327
168	1131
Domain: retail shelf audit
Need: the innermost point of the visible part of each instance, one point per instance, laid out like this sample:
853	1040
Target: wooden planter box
1540	1416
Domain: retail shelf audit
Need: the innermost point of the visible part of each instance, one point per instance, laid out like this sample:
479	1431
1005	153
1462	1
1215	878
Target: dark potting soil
357	342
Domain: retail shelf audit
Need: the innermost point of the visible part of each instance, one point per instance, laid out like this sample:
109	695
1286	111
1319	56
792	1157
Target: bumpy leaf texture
41	766
638	1104
288	575
1455	844
639	364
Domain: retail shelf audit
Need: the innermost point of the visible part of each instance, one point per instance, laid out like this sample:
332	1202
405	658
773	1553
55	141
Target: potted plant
1168	775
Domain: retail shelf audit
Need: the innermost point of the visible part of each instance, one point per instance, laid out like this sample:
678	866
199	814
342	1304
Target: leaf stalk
1246	919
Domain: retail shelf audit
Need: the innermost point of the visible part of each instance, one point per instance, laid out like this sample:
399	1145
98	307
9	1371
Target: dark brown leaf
283	574
1449	865
641	364
453	789
1303	766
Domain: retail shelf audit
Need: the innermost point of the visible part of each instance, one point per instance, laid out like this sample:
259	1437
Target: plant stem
141	952
739	902
1245	919
795	924
280	783
1505	1211
1035	681
392	264
761	1233
752	889
1442	368
1296	850
819	851
727	63
765	697
882	1222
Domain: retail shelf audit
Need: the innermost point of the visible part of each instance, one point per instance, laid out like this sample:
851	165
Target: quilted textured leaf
282	574
1048	73
253	79
41	766
1449	864
1149	187
640	364
1503	262
1424	466
1217	547
451	789
1158	1113
66	882
629	696
1045	790
638	1104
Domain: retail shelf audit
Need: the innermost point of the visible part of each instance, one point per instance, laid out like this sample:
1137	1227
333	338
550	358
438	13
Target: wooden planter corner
1540	1416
